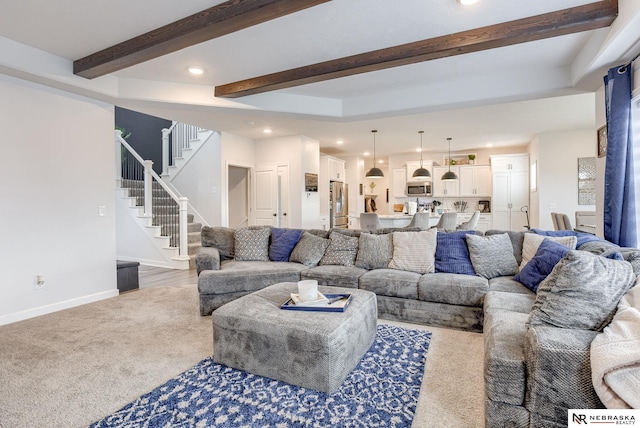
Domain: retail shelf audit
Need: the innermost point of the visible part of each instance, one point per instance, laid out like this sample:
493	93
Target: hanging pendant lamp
374	172
449	176
421	172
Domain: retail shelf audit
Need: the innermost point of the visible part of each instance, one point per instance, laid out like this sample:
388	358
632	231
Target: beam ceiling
225	18
567	21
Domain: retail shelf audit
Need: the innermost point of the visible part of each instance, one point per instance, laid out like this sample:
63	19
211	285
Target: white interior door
264	195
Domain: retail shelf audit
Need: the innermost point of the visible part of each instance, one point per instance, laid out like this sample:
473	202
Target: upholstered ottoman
315	350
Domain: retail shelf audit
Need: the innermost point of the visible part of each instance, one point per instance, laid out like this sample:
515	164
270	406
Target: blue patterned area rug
381	391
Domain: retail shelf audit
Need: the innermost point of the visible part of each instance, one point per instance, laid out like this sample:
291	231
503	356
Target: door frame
224	215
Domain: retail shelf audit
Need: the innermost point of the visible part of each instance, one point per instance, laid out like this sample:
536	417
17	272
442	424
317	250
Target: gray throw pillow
341	251
309	249
582	291
492	256
221	238
252	243
374	251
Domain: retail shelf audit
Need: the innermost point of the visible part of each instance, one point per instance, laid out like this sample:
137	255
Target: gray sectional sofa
535	367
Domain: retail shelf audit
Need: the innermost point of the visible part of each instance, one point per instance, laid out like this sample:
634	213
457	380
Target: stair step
194	237
194	227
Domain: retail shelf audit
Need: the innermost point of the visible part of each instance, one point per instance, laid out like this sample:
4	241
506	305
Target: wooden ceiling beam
225	18
567	21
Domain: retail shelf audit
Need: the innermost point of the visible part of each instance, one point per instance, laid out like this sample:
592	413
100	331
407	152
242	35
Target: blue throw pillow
283	241
583	237
452	254
540	266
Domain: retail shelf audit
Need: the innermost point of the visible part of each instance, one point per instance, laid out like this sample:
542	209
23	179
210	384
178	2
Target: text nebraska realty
606	419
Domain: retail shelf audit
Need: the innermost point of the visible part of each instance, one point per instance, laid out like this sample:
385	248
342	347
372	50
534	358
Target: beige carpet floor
73	367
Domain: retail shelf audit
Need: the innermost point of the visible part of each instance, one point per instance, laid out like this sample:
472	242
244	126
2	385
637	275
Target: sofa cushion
505	371
283	241
221	238
414	251
453	289
492	255
452	254
309	249
515	302
374	251
391	282
334	275
507	284
582	292
540	266
235	276
252	243
342	250
532	241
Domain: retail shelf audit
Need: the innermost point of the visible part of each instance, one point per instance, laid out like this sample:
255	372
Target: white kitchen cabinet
412	166
510	195
399	184
475	180
334	168
510	163
445	188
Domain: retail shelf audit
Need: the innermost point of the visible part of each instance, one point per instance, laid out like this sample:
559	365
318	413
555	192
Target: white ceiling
503	96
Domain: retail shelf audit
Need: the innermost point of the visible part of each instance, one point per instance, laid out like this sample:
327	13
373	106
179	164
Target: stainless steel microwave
418	189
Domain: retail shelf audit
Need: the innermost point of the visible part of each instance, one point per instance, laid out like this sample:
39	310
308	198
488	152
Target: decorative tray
337	303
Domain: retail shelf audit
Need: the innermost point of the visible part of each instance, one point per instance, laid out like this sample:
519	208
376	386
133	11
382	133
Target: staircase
157	207
164	222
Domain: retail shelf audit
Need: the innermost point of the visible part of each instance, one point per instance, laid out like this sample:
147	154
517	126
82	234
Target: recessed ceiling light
467	2
196	70
366	153
380	161
489	145
267	130
339	142
418	150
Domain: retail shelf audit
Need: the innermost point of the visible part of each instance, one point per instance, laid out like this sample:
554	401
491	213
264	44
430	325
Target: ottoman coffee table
315	350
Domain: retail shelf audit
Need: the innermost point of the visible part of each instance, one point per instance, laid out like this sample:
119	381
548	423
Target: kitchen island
402	220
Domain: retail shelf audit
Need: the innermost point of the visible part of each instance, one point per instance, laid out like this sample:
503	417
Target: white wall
301	154
557	158
235	151
58	169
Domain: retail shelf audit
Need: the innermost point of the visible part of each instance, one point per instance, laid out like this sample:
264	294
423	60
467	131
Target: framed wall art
602	141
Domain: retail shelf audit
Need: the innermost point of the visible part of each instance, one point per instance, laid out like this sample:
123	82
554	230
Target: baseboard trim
55	307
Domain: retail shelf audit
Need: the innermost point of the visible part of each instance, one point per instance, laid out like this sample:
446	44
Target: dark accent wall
146	134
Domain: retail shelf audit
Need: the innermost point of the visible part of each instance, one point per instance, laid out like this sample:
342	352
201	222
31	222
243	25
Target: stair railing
174	140
131	168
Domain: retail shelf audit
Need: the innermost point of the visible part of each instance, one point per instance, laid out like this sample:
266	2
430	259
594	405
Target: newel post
184	233
148	188
165	151
118	158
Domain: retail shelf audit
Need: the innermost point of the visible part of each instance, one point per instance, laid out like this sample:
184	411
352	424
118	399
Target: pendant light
421	172
374	172
449	176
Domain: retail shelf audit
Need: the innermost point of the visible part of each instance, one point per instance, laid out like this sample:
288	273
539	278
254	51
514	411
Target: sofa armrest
207	258
558	374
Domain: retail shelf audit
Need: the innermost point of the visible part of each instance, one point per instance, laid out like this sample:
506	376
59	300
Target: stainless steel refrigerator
338	207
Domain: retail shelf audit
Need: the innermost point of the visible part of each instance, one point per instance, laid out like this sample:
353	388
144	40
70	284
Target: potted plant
472	159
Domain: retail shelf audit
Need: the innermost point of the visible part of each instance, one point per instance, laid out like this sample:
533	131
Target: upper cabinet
412	166
510	163
399	185
475	180
334	168
445	188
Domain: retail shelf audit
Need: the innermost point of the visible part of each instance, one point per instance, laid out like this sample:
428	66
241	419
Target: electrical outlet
102	210
38	282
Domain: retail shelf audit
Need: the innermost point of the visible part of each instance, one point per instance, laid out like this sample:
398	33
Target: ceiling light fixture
421	172
339	142
196	70
449	176
374	172
267	130
467	2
